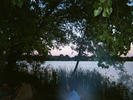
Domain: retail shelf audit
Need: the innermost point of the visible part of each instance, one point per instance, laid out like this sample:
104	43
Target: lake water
89	65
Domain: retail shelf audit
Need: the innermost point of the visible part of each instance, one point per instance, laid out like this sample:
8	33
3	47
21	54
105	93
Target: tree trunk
13	56
11	60
76	66
78	59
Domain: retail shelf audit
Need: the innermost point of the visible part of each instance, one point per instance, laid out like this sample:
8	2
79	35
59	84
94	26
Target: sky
130	53
66	50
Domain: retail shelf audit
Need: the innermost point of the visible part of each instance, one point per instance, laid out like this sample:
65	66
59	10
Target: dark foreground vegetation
48	84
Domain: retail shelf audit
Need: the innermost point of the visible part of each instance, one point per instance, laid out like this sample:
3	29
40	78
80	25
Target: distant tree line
68	58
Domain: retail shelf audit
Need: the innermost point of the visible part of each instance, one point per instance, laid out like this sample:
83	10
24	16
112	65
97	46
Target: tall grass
49	84
91	85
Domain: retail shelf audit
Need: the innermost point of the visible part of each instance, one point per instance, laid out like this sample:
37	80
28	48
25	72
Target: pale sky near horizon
130	53
66	50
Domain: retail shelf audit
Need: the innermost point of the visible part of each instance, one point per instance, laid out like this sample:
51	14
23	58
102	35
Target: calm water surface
89	65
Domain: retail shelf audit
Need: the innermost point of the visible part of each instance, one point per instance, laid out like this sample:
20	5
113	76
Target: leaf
13	2
109	11
105	13
97	11
20	3
102	1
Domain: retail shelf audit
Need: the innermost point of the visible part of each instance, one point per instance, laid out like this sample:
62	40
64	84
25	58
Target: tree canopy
28	25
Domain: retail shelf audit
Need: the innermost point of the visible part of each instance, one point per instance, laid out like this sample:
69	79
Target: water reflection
68	66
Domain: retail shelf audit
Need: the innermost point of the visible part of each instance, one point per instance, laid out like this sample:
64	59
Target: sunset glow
66	50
